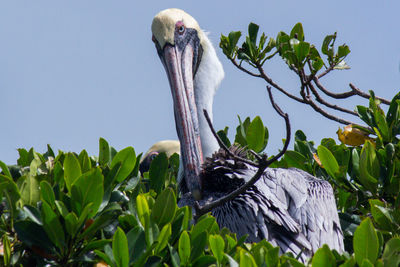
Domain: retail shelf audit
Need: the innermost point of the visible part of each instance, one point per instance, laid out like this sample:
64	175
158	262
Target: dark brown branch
239	66
269	80
365	95
329	105
318	109
262	164
354	91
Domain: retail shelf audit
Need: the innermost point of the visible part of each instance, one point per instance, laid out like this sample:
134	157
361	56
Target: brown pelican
288	207
168	147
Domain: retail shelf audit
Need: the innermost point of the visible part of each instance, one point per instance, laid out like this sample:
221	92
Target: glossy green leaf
343	51
120	248
365	242
165	207
71	223
29	189
369	167
198	245
163	238
158	172
84	161
72	170
52	226
142	209
253	32
246	259
6	250
205	261
323	257
391	253
184	248
47	193
328	161
202	225
88	188
104	152
381	215
127	158
255	135
217	246
31	234
327	45
5	169
297	32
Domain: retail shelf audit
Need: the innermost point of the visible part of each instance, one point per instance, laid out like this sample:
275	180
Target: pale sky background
74	71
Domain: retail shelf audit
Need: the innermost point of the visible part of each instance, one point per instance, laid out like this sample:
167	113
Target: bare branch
329	105
262	164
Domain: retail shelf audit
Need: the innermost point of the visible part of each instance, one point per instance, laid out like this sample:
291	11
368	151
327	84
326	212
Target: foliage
70	209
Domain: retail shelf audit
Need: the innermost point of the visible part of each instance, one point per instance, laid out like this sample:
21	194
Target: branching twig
329	105
263	163
329	69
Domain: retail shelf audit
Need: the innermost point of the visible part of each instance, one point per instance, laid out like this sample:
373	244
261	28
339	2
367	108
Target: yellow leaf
352	136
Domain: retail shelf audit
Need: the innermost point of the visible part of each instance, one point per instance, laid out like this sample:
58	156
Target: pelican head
194	73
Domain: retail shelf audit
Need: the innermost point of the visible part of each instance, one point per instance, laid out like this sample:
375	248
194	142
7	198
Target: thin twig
222	145
333	95
262	164
329	69
239	66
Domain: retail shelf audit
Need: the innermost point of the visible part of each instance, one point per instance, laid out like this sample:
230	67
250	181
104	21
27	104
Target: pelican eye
180	27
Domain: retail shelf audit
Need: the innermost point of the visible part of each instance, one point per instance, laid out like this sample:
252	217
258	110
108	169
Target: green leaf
29	189
217	246
253	32
328	161
205	261
104	152
72	170
127	158
255	135
369	167
297	32
142	209
120	248
323	257
6	250
47	193
327	45
5	169
391	253
317	64
163	238
88	188
202	225
84	161
343	51
158	172
365	242
381	214
71	223
184	248
165	207
33	214
31	234
198	245
246	259
52	226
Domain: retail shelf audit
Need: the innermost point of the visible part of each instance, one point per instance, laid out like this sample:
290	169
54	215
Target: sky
74	71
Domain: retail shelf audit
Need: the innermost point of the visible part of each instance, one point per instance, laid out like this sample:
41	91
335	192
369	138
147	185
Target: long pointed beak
179	67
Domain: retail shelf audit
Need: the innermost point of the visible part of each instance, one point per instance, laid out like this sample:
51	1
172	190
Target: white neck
207	79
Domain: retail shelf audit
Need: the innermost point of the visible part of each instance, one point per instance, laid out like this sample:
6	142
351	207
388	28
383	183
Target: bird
169	147
290	208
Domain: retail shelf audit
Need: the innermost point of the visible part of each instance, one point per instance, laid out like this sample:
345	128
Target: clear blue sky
74	71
